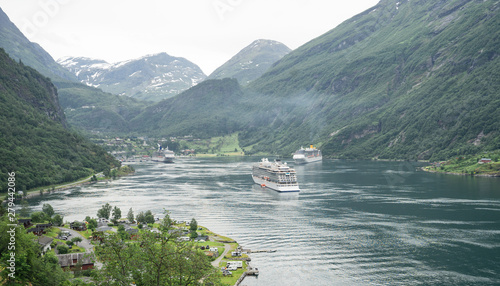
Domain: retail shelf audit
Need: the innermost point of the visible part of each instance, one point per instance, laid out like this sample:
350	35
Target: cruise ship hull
275	186
163	159
305	160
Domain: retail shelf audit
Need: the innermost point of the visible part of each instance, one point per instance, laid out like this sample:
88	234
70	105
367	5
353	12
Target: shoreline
460	174
87	181
230	245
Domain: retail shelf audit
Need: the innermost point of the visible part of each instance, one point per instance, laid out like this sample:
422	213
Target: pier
258	251
251	271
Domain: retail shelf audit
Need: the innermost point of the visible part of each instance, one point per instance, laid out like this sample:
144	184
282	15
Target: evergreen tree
104	211
58	220
193	226
117	214
130	215
148	217
48	210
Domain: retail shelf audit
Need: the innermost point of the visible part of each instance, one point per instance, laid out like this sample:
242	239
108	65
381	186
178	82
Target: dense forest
403	80
35	143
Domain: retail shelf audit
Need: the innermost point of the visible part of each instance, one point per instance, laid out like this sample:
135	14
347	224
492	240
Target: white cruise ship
307	155
276	175
163	155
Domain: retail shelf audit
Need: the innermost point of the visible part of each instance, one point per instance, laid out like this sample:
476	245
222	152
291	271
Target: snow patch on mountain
152	77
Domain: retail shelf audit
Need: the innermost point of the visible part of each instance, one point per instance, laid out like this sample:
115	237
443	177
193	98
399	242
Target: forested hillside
34	143
405	79
211	108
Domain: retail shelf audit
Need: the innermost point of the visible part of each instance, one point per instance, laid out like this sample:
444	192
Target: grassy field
469	165
236	274
216	146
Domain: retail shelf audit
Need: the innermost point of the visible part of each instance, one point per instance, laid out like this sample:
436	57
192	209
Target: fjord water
353	223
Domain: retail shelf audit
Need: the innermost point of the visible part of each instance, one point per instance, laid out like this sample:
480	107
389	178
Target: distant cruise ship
308	155
276	175
163	155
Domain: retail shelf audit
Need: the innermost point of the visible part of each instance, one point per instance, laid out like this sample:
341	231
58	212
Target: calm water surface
353	223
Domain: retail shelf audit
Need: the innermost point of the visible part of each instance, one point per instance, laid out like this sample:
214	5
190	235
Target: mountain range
149	78
251	62
402	80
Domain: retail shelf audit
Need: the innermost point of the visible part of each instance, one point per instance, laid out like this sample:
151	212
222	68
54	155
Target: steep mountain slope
211	108
19	47
405	79
33	141
111	112
251	62
150	78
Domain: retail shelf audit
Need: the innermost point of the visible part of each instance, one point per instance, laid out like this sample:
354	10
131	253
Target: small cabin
71	260
484	161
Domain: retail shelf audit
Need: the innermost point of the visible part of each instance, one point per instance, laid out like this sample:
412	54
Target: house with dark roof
78	226
44	226
70	260
36	231
25	221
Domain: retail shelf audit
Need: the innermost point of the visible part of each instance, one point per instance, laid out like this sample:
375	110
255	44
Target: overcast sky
206	32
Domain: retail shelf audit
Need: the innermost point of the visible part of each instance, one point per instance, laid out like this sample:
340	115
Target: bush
62	249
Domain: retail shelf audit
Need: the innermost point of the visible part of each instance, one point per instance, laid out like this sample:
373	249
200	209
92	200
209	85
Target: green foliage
77	239
34	142
130	215
39	217
57	220
148	217
91	223
205	110
469	165
117	214
416	82
91	109
122	233
140	218
193	234
193	225
48	210
30	266
153	260
104	211
62	249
